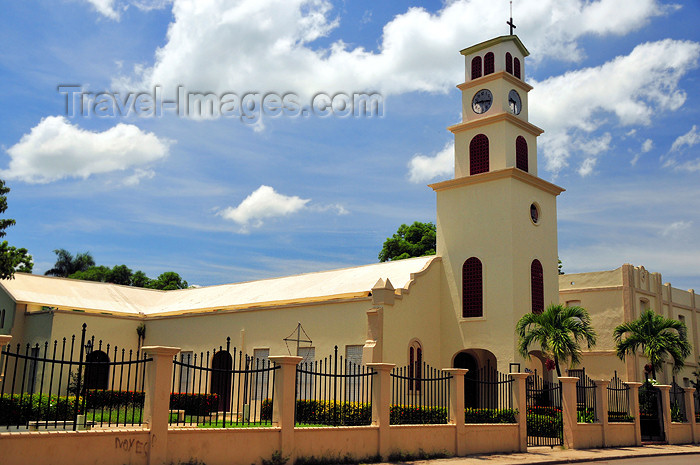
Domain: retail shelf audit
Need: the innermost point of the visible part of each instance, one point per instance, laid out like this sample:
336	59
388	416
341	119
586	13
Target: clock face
514	102
482	101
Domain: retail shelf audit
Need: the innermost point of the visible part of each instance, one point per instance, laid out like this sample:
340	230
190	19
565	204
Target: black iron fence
420	394
72	384
545	425
488	397
677	400
585	397
696	399
333	392
222	388
619	401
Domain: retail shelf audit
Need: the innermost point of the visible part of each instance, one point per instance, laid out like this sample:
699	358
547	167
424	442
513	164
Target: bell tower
496	220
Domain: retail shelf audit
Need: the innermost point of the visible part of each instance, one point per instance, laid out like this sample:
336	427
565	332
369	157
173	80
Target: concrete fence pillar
666	411
568	410
4	340
601	406
285	401
634	410
520	399
457	408
689	394
158	382
381	403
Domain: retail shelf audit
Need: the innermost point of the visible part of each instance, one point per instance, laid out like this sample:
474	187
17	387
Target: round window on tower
535	213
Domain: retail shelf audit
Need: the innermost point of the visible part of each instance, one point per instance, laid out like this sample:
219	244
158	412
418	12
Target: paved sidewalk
547	455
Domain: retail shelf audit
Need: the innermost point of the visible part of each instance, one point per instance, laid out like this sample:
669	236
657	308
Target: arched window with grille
516	68
489	62
509	63
415	364
476	67
479	154
537	286
472	288
521	153
96	370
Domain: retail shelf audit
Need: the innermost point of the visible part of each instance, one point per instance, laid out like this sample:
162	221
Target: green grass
121	415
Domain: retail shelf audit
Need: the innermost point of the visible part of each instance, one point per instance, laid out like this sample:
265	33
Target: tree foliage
658	337
66	264
559	331
12	259
168	281
415	240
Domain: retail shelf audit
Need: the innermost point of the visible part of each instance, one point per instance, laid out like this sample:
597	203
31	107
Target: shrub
586	415
414	415
547	426
266	410
333	413
194	404
620	417
485	415
18	409
96	399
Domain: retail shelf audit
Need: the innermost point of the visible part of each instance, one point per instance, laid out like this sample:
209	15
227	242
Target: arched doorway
221	364
468	361
96	370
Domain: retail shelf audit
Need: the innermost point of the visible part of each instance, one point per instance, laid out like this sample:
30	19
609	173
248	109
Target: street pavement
547	455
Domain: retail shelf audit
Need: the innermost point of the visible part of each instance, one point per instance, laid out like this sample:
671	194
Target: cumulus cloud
423	168
647	146
268	45
628	89
112	8
55	149
262	204
105	8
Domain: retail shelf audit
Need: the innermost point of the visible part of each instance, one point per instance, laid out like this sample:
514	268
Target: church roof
354	282
491	42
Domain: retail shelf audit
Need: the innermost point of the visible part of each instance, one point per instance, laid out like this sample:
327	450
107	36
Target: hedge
96	399
194	404
412	415
544	422
18	409
319	412
484	415
620	417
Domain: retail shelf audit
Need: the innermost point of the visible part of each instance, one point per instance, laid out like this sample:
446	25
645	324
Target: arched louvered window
2	318
537	286
516	68
415	364
479	154
96	370
476	67
472	288
509	63
521	153
489	62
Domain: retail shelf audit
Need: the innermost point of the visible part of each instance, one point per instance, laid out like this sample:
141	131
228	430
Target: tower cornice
512	173
494	76
524	125
492	42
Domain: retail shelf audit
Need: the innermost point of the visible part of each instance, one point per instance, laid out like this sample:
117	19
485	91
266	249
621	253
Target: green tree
66	264
416	240
139	279
559	331
99	273
12	259
168	281
120	274
560	266
658	337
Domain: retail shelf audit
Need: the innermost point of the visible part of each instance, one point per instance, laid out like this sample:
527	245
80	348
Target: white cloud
138	175
688	139
105	8
55	149
422	168
268	45
262	204
631	88
676	228
647	146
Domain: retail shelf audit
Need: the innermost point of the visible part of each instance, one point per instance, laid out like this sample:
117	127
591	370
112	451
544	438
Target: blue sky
219	200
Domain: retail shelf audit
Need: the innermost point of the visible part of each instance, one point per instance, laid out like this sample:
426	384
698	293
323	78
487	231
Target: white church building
496	260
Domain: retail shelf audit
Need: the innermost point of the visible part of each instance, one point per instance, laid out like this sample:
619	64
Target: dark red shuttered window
516	68
488	63
537	286
476	67
521	153
509	63
472	288
479	154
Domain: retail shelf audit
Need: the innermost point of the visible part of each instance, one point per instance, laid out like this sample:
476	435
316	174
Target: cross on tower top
510	23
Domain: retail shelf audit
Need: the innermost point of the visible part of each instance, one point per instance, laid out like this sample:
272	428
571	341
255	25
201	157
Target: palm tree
559	331
658	338
66	264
